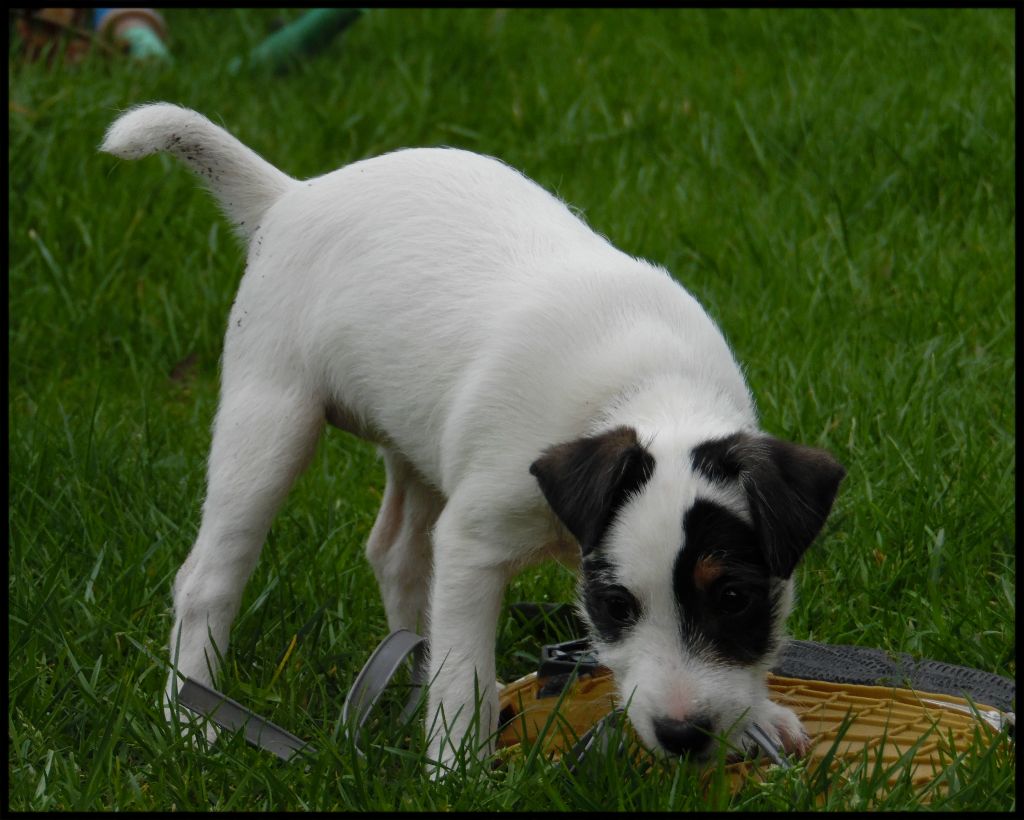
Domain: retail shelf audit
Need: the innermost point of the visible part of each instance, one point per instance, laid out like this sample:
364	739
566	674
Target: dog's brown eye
620	605
731	599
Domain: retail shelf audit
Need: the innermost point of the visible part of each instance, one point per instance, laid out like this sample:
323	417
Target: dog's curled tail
244	183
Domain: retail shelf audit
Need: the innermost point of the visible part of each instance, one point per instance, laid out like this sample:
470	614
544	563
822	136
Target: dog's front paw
449	754
194	729
782	726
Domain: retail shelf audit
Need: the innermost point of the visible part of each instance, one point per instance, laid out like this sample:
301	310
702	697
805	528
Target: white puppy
535	393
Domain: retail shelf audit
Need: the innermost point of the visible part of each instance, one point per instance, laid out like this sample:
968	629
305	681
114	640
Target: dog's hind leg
264	436
399	546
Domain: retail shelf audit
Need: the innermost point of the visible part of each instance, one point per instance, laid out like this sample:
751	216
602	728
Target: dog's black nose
683	737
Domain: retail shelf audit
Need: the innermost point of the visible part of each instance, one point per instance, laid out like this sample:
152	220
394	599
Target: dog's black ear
790	489
585	481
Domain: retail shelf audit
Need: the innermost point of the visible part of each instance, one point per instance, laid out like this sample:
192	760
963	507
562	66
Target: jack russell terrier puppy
534	393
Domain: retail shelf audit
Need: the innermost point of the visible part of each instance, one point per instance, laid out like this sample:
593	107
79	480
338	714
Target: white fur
442	305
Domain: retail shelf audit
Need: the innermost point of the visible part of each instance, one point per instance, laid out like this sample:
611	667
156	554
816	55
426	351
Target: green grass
837	189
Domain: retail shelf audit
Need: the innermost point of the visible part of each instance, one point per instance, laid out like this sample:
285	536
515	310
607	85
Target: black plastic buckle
567	657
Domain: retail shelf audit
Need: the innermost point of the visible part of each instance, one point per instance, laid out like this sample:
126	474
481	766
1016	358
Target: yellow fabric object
883	717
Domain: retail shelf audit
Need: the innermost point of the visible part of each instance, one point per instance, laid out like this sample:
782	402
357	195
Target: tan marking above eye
707	571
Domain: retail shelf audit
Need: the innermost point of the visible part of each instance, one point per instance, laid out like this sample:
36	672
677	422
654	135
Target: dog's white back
534	391
430	287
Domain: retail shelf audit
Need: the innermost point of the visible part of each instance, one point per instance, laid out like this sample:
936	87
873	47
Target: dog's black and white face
688	552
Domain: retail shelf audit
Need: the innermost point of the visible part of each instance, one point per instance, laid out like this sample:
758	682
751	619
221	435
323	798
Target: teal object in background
140	31
315	29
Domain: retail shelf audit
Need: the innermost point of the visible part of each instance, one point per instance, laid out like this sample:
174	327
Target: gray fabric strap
860	665
773	751
377	673
231	715
596	739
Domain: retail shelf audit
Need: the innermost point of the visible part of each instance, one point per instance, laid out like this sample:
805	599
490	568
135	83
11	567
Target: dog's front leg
465	601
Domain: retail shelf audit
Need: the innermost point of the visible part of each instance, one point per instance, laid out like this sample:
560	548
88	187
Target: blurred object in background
45	33
69	33
311	32
139	32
